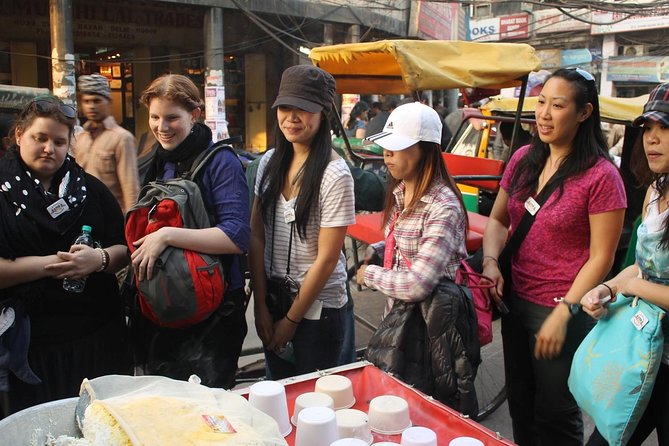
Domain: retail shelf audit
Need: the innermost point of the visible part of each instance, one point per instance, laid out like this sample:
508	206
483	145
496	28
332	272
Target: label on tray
219	424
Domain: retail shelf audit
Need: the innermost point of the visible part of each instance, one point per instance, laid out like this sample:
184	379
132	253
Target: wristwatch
573	308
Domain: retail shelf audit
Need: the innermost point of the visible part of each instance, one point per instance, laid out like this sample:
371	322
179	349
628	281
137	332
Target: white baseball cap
408	124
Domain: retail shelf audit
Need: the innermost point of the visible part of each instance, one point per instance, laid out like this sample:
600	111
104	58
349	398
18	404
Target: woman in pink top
567	251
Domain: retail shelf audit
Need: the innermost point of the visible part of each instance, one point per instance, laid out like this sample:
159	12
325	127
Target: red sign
514	26
437	21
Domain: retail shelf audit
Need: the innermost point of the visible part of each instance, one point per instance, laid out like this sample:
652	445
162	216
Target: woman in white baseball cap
423	210
425	222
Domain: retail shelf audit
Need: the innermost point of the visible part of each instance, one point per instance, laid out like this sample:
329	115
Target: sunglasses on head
46	104
584	74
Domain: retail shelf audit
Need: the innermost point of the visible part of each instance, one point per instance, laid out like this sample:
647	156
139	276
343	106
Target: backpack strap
199	164
203	158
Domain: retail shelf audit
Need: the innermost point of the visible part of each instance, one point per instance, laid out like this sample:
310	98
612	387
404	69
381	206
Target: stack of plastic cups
270	398
389	415
310	399
316	426
353	423
465	441
419	436
350	442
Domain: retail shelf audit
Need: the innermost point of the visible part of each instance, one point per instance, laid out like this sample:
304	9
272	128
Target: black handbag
280	293
279	297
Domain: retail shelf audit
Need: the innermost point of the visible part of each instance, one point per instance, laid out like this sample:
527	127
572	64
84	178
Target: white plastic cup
350	442
311	399
419	436
386	443
316	426
389	415
270	397
465	441
353	423
340	388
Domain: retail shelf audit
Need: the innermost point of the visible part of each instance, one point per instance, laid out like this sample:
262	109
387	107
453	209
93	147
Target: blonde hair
176	88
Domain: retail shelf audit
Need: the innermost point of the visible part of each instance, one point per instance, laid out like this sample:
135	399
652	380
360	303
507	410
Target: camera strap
290	244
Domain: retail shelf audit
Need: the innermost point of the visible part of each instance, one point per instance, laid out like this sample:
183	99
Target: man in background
375	125
376	108
104	149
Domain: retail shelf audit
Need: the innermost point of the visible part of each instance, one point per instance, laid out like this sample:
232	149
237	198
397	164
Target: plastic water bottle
85	238
287	353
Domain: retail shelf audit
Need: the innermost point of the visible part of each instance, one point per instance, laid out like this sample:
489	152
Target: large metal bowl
32	425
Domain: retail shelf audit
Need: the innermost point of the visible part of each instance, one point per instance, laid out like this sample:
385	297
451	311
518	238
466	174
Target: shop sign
553	21
640	69
617	22
434	21
570	58
15	98
514	26
484	30
108	24
550	59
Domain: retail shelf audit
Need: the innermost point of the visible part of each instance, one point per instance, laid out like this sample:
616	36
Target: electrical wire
277	34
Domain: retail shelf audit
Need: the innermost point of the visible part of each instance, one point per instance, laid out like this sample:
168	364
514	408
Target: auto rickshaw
410	67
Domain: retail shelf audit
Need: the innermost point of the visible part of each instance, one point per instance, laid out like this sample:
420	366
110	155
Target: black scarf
24	204
182	155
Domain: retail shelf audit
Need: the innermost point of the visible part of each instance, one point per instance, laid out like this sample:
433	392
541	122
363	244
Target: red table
369	382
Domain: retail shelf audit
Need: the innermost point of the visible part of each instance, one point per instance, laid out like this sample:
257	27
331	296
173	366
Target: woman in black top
59	337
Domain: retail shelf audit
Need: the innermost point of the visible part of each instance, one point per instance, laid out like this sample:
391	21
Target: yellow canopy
404	66
623	110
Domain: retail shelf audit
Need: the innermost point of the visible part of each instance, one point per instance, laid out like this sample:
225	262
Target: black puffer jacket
432	345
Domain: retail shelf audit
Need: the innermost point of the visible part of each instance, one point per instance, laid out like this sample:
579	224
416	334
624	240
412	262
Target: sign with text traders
505	27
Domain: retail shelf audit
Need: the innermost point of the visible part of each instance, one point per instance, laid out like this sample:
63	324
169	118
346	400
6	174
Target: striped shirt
431	237
336	208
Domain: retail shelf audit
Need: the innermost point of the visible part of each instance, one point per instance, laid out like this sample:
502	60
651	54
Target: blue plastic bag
614	368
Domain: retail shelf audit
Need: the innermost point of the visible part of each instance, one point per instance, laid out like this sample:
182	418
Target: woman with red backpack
211	348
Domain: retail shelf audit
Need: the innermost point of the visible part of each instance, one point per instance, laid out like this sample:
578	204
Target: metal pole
519	112
62	51
214	71
213	40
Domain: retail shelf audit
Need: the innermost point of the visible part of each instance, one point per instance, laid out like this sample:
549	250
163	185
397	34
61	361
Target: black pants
209	349
317	345
656	415
543	411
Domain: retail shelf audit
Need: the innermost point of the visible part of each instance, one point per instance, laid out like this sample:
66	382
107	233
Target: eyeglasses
46	104
584	74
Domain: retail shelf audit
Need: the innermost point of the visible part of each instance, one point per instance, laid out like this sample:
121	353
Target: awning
623	110
404	66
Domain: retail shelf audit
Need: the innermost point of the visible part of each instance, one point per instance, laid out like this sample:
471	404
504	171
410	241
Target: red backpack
187	286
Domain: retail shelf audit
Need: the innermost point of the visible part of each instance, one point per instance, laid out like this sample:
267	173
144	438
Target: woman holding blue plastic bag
648	278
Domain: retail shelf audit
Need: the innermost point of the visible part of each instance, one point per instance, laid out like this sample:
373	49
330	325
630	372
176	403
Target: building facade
627	52
235	50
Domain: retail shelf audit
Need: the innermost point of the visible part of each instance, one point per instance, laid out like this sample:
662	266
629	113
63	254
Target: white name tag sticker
314	312
639	320
289	215
57	208
532	206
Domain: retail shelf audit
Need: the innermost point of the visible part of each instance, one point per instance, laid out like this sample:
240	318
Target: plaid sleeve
440	246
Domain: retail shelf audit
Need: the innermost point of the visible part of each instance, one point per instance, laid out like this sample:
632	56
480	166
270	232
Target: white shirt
336	208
